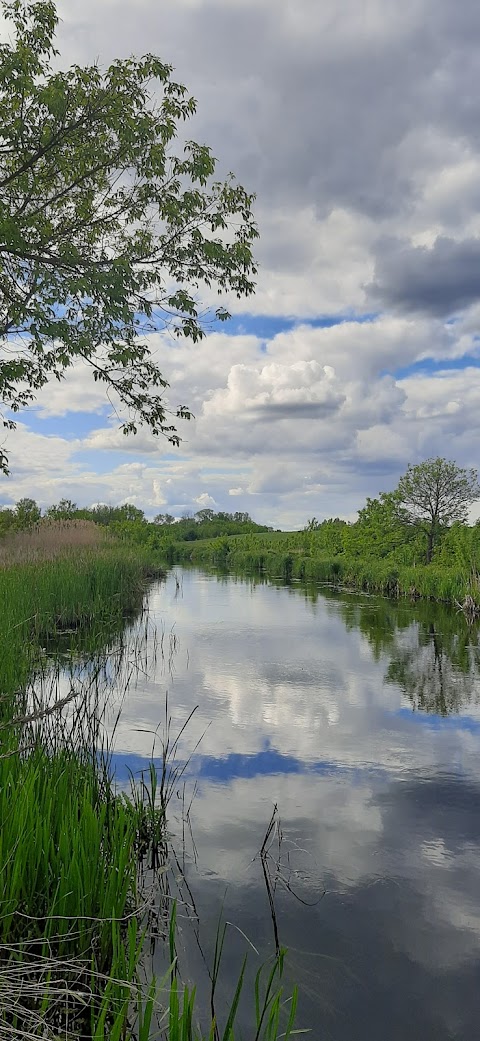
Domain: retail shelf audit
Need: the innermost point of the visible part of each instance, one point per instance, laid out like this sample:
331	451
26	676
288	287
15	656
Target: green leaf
98	215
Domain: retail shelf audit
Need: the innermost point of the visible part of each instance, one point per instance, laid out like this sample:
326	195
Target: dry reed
48	540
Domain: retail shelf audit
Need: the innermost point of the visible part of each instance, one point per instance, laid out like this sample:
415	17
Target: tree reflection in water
434	651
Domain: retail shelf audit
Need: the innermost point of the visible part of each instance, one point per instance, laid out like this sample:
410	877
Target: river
359	719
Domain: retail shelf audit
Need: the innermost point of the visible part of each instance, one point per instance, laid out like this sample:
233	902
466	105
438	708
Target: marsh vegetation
83	862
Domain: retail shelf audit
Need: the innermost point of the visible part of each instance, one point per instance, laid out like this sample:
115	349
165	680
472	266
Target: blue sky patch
70	426
266	327
431	366
236	765
104	460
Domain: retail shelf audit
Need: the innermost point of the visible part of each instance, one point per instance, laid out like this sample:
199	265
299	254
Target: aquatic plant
77	857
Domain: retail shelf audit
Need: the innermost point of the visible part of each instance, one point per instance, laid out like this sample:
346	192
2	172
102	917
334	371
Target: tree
204	515
434	494
7	520
164	518
381	530
101	513
63	510
129	512
27	513
107	235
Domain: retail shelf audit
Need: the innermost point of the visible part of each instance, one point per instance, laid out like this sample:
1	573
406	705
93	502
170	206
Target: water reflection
393	949
360	719
431	677
434	657
433	650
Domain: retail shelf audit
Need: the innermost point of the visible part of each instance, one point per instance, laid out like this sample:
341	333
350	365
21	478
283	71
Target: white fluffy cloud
354	126
302	388
306	422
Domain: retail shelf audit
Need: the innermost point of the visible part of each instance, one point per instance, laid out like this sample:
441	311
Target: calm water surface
360	720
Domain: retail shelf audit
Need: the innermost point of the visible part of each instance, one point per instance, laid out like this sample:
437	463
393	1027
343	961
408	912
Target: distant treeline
413	541
379	535
129	521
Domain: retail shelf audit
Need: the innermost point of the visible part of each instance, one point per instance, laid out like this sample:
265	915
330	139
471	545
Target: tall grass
68	866
71	847
68	879
74	910
62	576
74	853
288	555
48	540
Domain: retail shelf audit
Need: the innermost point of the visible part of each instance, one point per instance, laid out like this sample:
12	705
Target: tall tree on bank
107	235
434	494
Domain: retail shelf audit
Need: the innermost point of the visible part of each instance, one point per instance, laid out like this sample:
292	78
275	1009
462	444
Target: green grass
291	555
74	853
68	884
68	845
87	589
62	870
72	856
71	928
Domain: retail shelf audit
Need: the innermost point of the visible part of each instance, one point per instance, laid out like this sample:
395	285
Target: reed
289	555
63	577
70	908
71	922
48	540
68	866
75	854
72	932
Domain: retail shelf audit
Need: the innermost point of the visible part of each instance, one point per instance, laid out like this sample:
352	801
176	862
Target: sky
357	126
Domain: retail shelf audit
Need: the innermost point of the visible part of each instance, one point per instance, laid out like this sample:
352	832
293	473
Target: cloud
35	458
205	501
304	82
308	423
439	280
357	127
311	264
302	389
77	392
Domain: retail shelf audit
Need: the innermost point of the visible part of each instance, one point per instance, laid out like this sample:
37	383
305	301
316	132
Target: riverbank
70	929
290	556
64	577
79	860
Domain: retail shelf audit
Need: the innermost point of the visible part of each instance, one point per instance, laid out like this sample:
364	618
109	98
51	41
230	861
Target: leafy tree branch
107	234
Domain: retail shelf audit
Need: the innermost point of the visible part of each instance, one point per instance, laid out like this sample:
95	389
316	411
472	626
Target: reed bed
79	861
284	558
49	540
69	918
68	874
63	577
80	866
71	935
